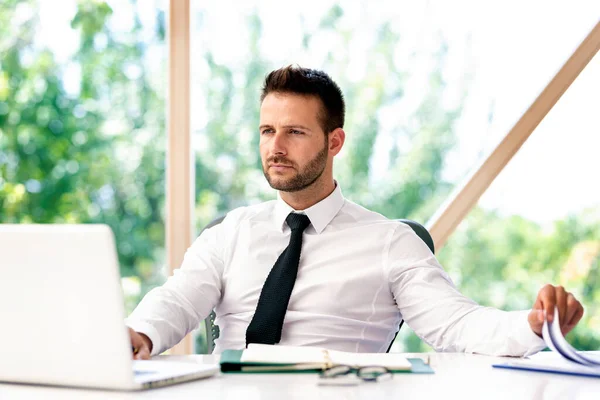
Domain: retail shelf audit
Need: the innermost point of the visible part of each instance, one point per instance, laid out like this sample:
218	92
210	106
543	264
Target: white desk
457	376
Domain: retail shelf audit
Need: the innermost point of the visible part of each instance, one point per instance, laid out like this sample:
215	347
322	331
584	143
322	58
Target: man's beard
304	178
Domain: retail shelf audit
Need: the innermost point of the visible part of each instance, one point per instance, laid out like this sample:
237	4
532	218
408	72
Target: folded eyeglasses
347	375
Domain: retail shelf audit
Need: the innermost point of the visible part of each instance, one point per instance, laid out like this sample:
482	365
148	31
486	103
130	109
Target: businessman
313	268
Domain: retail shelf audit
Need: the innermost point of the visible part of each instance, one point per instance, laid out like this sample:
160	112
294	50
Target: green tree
97	153
501	261
95	156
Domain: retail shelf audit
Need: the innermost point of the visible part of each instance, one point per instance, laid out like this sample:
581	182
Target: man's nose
278	144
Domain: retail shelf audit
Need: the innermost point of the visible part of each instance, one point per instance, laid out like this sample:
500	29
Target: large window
82	123
430	88
402	108
540	221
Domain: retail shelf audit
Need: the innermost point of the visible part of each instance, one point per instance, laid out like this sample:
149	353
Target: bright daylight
106	136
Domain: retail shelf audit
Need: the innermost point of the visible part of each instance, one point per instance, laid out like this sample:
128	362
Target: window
82	123
539	222
429	89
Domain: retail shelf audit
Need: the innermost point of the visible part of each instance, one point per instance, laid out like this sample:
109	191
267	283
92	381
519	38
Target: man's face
293	146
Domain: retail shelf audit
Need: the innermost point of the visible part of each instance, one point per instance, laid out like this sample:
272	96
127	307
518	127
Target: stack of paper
556	341
570	362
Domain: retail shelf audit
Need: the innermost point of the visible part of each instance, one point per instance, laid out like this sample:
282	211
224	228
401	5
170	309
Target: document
566	360
271	358
556	341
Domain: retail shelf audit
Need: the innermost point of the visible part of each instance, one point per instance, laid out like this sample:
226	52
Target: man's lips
279	168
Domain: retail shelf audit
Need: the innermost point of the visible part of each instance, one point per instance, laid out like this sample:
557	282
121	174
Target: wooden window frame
465	197
180	165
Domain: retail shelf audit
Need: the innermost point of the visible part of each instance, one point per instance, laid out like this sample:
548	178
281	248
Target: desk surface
463	376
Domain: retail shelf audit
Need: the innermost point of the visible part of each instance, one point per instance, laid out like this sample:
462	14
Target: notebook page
264	353
392	361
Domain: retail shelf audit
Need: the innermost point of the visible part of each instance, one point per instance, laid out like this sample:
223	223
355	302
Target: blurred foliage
96	153
504	261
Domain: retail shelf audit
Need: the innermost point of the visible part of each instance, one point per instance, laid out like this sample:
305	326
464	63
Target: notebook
62	313
268	358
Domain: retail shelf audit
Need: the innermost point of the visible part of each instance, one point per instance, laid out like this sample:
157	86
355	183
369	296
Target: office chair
212	330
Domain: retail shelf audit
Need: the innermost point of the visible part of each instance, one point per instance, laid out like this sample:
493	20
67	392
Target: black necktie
267	322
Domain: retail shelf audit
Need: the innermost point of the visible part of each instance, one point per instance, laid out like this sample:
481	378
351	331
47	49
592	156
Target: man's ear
336	140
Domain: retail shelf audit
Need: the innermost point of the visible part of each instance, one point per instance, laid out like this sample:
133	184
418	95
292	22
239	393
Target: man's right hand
141	345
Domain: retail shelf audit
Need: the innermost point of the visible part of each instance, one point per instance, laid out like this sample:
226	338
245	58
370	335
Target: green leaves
96	152
98	157
91	18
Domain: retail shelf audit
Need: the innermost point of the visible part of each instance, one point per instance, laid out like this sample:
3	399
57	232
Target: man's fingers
537	316
550	298
572	306
536	320
139	348
577	315
561	303
136	342
547	296
537	312
142	354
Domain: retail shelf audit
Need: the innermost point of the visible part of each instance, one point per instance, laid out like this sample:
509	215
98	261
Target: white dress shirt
359	275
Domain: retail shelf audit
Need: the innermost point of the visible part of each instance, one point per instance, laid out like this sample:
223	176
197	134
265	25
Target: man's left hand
570	309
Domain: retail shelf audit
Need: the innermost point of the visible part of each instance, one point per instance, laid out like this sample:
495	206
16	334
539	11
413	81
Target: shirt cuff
148	330
528	338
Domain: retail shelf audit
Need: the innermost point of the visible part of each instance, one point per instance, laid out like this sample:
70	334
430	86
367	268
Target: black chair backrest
421	232
212	330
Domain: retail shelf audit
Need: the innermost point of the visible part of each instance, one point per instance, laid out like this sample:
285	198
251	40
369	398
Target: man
314	269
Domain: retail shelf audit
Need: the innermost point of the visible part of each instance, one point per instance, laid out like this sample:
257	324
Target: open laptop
62	313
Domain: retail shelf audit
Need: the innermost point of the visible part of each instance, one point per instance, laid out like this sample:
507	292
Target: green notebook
267	358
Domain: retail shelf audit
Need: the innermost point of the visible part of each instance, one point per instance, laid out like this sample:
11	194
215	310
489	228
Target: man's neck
306	198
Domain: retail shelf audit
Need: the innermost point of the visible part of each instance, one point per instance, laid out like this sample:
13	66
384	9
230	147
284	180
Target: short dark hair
310	82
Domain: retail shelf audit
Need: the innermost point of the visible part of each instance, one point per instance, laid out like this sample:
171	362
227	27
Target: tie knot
297	221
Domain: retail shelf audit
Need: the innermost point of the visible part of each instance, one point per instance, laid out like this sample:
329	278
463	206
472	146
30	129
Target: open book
268	358
566	359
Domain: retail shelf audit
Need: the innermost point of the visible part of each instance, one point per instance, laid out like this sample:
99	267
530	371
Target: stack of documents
566	360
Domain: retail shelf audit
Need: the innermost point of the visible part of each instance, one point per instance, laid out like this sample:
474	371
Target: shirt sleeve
168	313
440	315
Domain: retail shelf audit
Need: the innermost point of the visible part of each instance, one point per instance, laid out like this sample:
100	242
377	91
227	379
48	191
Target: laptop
62	313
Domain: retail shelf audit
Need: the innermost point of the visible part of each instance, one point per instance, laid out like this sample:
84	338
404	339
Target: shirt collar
320	214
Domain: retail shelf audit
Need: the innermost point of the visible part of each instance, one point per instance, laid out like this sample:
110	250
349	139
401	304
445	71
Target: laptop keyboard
141	373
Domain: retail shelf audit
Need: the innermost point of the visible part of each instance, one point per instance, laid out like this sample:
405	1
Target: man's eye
266	131
296	132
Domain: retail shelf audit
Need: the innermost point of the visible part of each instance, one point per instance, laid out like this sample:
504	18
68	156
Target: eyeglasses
347	375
